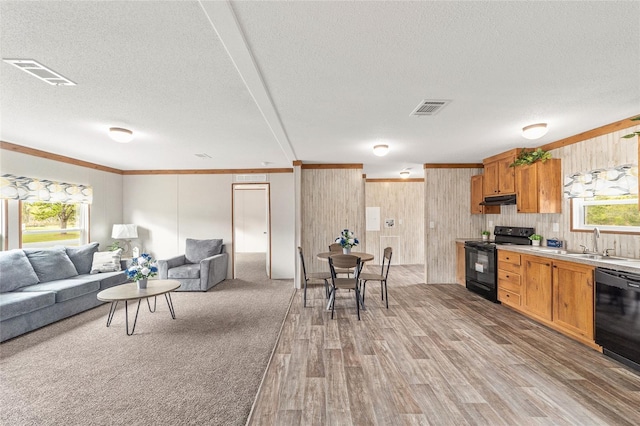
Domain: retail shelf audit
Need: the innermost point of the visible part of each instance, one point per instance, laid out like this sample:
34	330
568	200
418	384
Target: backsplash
600	152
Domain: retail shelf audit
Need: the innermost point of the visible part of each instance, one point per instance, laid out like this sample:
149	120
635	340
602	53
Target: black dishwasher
618	315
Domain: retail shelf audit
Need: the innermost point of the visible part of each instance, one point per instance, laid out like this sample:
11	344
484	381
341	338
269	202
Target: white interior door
251	222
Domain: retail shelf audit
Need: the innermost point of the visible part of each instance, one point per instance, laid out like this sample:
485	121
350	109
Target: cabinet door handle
507	258
507	276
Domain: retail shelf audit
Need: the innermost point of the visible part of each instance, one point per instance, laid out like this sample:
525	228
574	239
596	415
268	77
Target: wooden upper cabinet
539	187
537	287
573	297
499	177
477	197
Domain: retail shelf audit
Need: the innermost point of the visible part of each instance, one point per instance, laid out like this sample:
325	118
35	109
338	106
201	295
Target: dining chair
384	274
337	248
344	261
315	276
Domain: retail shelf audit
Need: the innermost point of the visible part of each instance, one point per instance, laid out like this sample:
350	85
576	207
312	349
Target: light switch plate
556	227
432	225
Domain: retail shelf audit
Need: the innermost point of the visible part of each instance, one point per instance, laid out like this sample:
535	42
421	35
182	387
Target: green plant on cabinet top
632	134
526	158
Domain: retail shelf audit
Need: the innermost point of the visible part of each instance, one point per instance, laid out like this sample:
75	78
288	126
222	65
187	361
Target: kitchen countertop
614	262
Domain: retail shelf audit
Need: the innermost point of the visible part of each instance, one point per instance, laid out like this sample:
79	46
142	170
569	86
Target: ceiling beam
224	22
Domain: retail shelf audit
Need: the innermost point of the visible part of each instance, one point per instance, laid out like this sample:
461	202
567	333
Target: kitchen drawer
509	281
508	297
508	257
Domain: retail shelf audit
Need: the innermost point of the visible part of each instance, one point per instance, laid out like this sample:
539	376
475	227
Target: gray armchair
203	265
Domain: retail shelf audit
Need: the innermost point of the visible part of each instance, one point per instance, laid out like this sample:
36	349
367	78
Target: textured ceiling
262	81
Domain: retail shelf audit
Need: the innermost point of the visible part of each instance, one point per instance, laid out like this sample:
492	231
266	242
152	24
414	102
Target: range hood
499	200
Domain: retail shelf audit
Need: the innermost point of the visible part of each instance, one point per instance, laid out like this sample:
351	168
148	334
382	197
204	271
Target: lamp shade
534	131
124	231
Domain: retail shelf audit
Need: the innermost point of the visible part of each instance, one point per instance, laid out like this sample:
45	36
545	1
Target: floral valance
621	180
30	189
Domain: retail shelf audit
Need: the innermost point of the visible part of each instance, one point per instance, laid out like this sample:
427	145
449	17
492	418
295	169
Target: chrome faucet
596	235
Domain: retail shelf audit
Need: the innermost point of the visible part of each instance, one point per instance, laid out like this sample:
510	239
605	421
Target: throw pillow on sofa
106	261
51	264
15	271
197	250
82	257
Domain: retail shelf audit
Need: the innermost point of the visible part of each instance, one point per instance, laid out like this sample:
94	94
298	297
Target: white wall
283	247
168	209
107	190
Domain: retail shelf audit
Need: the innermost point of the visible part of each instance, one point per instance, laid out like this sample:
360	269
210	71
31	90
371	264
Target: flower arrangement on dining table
347	239
142	268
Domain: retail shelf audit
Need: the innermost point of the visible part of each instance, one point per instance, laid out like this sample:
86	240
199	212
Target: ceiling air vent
430	107
41	72
203	155
251	178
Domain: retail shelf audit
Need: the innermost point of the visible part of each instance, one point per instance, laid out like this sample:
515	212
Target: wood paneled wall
599	152
402	201
447	203
332	200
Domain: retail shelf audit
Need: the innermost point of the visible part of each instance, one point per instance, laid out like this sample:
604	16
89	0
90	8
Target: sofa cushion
184	271
19	303
15	271
196	250
64	289
51	264
109	279
82	257
106	261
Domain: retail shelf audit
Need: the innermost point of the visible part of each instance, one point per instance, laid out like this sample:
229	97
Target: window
608	213
51	224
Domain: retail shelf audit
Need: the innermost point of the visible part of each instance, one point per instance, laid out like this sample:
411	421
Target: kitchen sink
594	256
588	256
546	250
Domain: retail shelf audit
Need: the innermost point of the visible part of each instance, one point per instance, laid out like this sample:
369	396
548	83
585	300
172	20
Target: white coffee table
130	291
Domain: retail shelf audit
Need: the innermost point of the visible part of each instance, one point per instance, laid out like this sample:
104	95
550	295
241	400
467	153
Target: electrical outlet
432	225
490	225
556	227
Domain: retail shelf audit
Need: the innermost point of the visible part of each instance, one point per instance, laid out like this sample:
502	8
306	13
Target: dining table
364	257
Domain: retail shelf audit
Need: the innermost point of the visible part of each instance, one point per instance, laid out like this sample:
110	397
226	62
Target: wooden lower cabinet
460	264
509	278
559	294
538	286
573	298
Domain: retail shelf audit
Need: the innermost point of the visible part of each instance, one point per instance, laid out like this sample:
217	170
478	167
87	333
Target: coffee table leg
167	296
112	310
126	314
155	300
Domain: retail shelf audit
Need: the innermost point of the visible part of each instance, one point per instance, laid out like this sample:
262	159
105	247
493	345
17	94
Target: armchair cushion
197	250
190	270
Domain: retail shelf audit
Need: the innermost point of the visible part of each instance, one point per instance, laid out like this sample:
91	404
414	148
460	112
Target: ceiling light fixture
121	135
534	131
405	174
381	150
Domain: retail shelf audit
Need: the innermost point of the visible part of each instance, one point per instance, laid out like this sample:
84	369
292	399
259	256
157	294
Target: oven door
480	275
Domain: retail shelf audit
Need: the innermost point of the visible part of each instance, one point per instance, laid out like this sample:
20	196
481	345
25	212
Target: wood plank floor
439	355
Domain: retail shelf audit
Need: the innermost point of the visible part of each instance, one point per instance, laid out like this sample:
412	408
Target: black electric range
481	272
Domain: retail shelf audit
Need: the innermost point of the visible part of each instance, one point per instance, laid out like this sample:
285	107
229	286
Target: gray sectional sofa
41	286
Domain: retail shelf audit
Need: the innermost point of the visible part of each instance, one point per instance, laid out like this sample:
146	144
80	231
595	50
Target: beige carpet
202	368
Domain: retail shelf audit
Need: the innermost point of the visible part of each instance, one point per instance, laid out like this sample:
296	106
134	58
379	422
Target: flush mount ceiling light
381	150
534	131
121	135
41	72
405	174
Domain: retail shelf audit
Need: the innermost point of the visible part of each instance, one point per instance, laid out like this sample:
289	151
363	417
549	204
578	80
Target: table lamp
125	232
